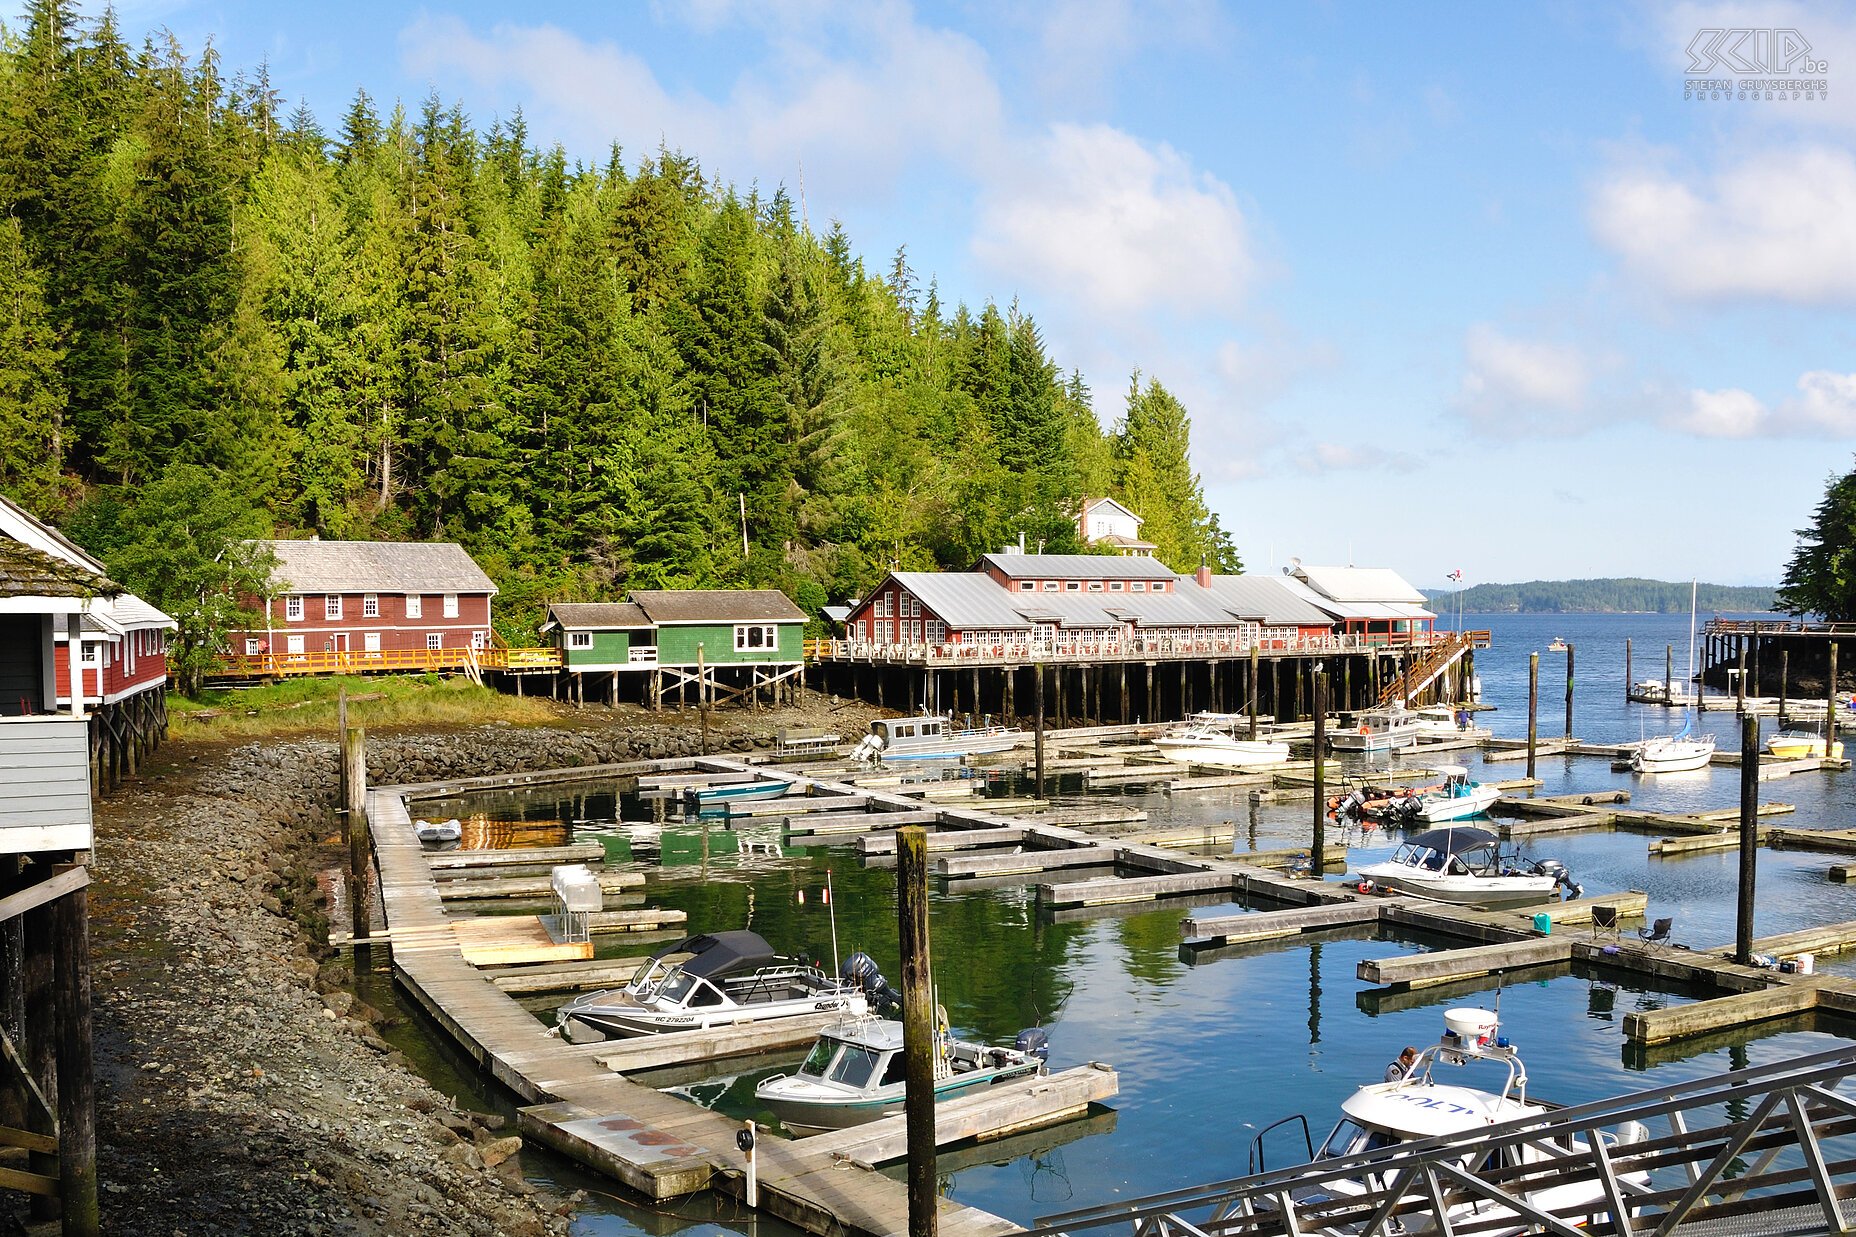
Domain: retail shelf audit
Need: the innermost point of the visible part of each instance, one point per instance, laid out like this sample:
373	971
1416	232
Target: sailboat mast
1693	586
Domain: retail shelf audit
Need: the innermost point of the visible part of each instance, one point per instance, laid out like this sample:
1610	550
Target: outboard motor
861	969
869	749
1033	1042
1562	879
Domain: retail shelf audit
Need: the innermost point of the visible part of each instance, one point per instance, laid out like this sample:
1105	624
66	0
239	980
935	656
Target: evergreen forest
1622	595
227	318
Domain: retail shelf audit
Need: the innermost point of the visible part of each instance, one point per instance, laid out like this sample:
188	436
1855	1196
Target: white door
370	642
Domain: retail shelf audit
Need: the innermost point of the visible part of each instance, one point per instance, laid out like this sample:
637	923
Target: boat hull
1477	801
621	1020
1344	742
1671	758
1495	891
804	1116
1238	755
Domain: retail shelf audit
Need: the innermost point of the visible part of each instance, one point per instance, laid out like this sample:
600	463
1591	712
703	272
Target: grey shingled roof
600	615
1077	567
375	567
718	605
26	572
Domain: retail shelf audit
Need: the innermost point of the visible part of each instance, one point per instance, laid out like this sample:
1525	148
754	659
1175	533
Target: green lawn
310	705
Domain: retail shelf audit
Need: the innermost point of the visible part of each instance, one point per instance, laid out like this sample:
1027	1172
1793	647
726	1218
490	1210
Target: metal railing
1764	1150
1738	627
1123	648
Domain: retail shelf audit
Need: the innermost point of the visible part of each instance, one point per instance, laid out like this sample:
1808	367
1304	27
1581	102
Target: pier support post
1785	671
918	1018
38	1031
1123	716
1038	727
1317	852
1627	679
77	1114
1830	700
1533	710
702	694
1749	836
1740	677
1669	674
1253	691
354	802
1569	649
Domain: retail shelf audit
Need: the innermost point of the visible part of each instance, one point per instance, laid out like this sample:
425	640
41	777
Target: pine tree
1820	579
32	394
1153	448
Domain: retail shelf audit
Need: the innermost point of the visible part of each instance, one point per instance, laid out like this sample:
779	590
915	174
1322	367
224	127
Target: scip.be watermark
1777	61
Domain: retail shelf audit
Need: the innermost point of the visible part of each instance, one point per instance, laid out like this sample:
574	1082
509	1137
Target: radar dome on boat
1470	1025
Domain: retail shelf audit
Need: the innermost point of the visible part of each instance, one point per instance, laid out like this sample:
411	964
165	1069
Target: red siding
396	628
118	679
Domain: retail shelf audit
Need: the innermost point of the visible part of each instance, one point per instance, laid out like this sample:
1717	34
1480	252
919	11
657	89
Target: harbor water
1212	1046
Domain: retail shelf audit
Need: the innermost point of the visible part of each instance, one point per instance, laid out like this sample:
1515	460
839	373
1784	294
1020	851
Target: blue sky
1443	286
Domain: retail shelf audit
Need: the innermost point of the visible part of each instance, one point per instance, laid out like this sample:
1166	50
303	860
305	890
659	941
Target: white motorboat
438	830
1203	743
715	979
1458	798
1377	730
1440	721
1421	1105
855	1073
1466	866
930	736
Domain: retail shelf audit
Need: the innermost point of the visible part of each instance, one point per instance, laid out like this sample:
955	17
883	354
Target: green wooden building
689	644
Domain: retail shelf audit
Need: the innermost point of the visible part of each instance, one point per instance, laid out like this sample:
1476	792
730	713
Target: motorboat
710	980
1440	721
1558	646
1801	745
1459	797
855	1073
1466	866
712	799
438	830
929	736
1424	1105
1204	743
1377	730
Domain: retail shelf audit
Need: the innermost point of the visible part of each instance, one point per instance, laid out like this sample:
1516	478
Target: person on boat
1397	1071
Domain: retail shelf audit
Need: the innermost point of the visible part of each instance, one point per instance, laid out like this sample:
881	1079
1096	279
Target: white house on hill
1103	521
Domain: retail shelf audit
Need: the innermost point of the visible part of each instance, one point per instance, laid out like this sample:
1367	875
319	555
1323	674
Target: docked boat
1206	743
715	979
1674	753
438	830
930	736
1440	721
1423	1105
1801	745
1466	866
1377	730
1458	797
855	1073
713	799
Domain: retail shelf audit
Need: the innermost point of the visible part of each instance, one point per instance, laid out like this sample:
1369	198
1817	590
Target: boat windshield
1420	857
856	1067
818	1058
676	986
1350	1139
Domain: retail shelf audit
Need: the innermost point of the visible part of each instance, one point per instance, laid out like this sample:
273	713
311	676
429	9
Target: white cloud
1515	386
1825	407
1776	225
1098	216
1328	457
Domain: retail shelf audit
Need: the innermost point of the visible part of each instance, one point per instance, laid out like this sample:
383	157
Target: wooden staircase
1444	652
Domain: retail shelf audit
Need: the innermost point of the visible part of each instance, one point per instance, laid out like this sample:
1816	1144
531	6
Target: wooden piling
1749	837
1627	679
1317	853
354	804
1569	651
1533	710
1740	677
1830	700
1785	671
702	694
1038	732
77	1113
39	1034
918	1016
1253	690
1669	674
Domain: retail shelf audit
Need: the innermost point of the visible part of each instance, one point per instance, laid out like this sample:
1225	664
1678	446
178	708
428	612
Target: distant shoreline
1624	595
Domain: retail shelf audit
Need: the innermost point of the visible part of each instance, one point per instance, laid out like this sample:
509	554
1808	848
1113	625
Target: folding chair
1658	932
1604	919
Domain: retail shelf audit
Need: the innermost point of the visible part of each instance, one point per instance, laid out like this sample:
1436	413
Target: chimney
1204	576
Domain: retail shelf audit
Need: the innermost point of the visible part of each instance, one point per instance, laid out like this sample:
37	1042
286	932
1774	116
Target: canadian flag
1455	575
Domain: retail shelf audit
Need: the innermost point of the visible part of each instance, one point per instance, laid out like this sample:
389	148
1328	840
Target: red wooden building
360	599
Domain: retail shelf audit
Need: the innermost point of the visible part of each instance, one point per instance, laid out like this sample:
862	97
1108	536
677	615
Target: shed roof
606	615
717	605
375	567
27	529
1077	567
1264	597
967	600
29	572
1367	584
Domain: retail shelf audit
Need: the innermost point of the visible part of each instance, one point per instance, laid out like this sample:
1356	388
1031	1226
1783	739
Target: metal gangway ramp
1766	1150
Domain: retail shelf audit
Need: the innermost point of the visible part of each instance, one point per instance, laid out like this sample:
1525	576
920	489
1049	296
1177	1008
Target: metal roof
963	599
601	614
375	567
1387	610
717	605
1360	584
1267	598
1077	567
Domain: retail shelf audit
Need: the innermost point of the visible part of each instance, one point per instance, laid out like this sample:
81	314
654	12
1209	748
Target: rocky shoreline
242	1088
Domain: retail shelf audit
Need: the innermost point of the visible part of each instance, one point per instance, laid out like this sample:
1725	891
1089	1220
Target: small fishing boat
930	736
714	979
1440	721
438	830
1204	743
712	799
1377	730
1458	797
1466	866
855	1073
1801	745
1421	1105
1558	646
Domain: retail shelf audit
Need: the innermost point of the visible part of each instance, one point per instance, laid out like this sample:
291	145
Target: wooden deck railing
288	665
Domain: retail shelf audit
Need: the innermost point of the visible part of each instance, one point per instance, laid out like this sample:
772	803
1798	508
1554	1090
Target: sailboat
1683	750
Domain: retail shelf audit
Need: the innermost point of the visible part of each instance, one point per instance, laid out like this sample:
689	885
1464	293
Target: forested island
223	320
1624	595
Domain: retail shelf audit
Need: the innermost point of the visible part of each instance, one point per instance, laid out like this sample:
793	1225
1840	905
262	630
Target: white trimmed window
293	609
251	646
1027	586
332	606
882	632
370	642
579	639
1138	586
1095	586
480	639
1114	586
451	605
415	605
434	640
755	638
370	605
293	644
882	605
1050	586
1159	586
1072	586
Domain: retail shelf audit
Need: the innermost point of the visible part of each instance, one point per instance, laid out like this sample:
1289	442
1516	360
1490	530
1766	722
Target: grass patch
305	705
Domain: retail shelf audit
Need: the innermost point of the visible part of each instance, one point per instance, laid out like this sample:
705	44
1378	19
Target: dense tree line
1820	579
1623	595
594	377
